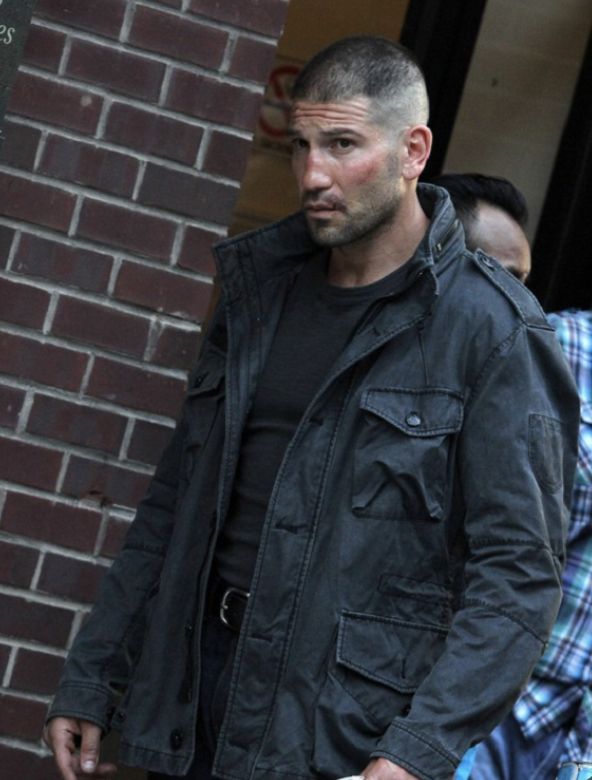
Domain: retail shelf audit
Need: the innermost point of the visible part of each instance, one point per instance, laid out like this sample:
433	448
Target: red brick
68	265
18	763
163	291
36	672
264	16
187	193
136	388
101	326
30	620
196	250
50	521
176	348
17	564
104	482
128	229
227	155
27	464
54	418
252	60
148	442
44	47
103	17
117	70
145	131
4	656
92	166
21	718
115	536
6	239
20	146
216	101
11	401
56	103
178	37
23	304
39	362
35	202
70	578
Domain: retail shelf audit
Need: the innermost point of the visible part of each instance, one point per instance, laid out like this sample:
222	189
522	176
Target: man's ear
417	148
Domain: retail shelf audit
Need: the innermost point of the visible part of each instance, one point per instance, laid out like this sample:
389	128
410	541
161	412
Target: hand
383	769
60	734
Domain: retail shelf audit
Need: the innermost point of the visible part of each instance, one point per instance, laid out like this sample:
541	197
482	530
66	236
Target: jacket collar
252	258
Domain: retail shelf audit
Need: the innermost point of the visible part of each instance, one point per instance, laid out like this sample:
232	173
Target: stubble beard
371	220
373	212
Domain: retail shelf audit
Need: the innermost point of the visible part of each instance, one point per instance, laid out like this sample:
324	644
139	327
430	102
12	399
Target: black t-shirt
317	322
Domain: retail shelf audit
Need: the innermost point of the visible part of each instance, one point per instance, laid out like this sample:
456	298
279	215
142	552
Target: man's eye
343	143
298	143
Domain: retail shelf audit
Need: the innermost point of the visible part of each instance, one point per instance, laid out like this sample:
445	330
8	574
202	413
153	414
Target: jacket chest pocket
402	458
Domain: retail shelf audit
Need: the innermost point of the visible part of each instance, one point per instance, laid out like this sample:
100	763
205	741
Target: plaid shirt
560	690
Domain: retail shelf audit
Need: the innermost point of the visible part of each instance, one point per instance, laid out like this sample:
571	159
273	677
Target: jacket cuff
416	753
84	702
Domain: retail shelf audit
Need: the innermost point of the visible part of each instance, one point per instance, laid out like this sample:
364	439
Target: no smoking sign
275	112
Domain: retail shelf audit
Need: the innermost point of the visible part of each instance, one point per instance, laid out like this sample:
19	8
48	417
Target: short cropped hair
466	190
368	66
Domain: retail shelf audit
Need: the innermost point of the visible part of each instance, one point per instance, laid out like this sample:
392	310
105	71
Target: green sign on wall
15	16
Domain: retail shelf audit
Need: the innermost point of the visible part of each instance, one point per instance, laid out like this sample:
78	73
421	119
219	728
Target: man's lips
323	209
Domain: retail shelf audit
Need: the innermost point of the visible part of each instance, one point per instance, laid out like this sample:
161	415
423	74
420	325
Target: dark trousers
217	653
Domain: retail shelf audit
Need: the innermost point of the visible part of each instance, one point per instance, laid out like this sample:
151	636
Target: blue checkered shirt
560	690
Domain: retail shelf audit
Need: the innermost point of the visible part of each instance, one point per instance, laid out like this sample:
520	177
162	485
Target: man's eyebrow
332	133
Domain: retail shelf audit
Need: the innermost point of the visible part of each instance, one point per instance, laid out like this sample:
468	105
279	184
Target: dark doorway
562	271
442	34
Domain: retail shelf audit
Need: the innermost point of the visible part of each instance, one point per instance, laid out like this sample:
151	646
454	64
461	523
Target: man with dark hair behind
348	559
494	214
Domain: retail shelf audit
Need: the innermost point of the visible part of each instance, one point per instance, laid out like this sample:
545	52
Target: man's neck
372	258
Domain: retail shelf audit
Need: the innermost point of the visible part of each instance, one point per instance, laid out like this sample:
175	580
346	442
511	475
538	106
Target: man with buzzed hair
348	560
494	214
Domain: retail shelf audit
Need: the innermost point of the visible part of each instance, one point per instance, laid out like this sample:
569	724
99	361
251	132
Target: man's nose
316	174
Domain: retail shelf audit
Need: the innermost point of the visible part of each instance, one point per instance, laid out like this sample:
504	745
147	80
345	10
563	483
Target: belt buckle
224	605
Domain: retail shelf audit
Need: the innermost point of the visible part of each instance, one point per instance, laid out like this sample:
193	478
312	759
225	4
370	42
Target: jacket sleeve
99	663
101	660
515	461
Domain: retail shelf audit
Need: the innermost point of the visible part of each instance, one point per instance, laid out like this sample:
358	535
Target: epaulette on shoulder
520	298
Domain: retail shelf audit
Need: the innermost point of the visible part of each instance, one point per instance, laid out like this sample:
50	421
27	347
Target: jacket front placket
289	533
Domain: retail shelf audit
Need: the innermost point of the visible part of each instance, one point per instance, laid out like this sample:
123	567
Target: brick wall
127	135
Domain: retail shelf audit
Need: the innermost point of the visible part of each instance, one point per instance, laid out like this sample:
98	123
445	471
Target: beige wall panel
518	92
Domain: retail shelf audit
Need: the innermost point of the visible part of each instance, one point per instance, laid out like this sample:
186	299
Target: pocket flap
416	412
396	653
206	381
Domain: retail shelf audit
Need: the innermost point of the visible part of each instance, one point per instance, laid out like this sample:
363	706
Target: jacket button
413	419
406	710
176	739
120	716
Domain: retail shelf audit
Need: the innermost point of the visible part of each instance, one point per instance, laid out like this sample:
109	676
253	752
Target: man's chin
323	234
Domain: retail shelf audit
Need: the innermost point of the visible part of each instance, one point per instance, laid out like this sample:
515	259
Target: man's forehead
356	111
